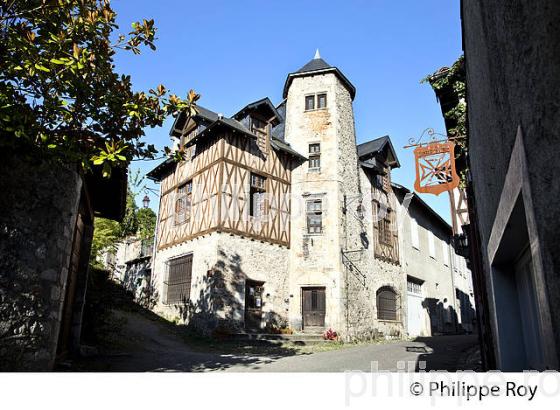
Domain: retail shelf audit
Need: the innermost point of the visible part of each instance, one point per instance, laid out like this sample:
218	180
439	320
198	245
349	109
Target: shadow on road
450	353
122	335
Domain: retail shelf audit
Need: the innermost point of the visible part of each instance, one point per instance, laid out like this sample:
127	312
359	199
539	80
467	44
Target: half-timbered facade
278	219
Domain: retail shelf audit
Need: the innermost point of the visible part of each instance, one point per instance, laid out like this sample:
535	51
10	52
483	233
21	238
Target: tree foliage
138	222
59	90
146	223
454	80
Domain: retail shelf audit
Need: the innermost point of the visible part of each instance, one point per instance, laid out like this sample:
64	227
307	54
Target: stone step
302	339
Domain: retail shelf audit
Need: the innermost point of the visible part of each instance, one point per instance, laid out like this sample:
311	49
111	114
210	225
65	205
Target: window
309	102
318	101
315	216
384	232
414	286
445	251
179	276
315	156
257	195
386	181
382	219
258	127
183	203
386	304
431	244
415	240
321	101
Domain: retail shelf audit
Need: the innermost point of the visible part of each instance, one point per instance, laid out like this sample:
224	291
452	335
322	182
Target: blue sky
235	52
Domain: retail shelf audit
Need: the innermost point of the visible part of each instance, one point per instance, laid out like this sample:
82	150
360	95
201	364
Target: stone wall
315	258
38	208
221	265
372	274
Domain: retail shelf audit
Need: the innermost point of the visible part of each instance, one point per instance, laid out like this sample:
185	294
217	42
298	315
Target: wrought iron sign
435	163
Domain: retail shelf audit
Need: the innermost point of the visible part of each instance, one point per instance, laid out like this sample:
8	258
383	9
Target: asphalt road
152	347
433	353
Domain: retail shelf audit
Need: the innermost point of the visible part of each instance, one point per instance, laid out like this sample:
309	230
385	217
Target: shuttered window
386	304
179	277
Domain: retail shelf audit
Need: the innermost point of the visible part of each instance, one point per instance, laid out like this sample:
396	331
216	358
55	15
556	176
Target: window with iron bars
183	203
387	306
179	277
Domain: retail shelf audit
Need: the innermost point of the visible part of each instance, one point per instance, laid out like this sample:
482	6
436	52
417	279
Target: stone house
46	229
512	62
130	265
278	219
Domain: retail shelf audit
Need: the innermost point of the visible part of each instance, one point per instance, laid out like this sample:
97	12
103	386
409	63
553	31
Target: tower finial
317	55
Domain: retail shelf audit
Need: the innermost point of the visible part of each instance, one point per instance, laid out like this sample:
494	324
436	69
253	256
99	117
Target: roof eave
424	204
336	71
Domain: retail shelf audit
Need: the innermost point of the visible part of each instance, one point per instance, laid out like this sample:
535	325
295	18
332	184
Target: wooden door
313	306
253	305
71	282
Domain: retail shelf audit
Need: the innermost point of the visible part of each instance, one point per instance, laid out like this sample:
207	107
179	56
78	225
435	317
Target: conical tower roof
318	66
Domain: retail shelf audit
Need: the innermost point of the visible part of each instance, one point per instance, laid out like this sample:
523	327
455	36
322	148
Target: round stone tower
320	123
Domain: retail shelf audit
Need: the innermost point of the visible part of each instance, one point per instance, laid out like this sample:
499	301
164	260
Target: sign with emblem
435	168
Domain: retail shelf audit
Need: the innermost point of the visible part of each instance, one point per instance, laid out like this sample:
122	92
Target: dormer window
258	127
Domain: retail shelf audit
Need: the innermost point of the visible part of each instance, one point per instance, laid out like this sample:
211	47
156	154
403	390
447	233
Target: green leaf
42	68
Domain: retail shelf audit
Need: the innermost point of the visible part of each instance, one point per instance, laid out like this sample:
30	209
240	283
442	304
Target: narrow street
152	346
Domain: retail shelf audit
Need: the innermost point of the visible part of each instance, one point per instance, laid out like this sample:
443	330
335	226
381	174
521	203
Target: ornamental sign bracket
435	163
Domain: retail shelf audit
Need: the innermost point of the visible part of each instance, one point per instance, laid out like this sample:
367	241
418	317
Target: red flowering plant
330	335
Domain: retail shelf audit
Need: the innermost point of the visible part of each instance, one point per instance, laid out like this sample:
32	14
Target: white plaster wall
440	279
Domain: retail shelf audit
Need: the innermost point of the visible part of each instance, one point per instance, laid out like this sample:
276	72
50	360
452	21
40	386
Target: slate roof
279	130
314	65
372	148
263	101
216	121
279	144
318	66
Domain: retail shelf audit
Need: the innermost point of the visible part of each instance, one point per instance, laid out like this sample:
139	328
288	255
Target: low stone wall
38	208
